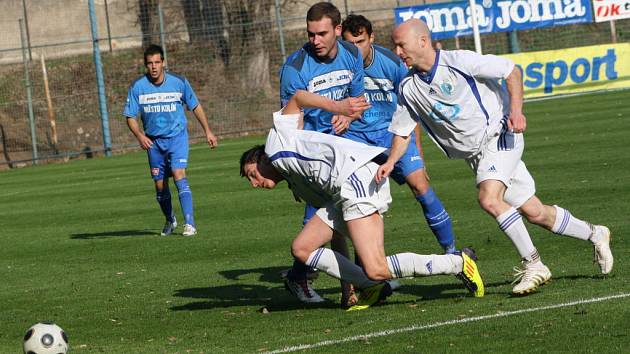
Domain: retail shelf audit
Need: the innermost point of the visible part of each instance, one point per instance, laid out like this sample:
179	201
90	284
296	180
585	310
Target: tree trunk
149	22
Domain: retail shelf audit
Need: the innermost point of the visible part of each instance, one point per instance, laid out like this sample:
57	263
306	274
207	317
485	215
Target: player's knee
418	183
490	204
534	215
419	189
300	252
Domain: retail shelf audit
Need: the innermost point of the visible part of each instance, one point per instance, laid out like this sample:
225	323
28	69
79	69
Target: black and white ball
45	338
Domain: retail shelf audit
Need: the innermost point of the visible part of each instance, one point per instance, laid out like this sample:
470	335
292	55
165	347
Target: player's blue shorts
167	154
408	163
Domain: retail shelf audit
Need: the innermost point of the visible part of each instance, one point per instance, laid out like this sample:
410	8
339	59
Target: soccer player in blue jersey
333	69
159	98
383	73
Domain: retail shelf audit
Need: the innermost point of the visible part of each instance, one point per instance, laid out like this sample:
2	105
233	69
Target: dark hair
356	24
324	9
254	155
153	49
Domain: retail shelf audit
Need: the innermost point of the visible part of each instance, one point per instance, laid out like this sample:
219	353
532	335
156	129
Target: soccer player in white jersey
330	68
160	99
336	175
457	98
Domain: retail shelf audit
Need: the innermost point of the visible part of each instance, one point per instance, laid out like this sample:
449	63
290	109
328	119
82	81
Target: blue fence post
513	39
29	95
280	31
100	83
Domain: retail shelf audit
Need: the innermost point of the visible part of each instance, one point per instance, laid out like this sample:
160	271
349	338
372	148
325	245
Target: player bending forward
457	98
337	176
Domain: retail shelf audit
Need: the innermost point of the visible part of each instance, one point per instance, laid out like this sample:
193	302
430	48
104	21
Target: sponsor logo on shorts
183	160
155	171
492	169
415	158
429	267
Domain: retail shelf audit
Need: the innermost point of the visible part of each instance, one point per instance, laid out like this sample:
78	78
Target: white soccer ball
45	338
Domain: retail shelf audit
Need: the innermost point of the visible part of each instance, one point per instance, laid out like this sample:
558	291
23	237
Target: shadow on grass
274	297
121	233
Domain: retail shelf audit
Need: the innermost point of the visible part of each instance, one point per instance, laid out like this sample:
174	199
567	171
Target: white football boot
601	248
189	230
529	277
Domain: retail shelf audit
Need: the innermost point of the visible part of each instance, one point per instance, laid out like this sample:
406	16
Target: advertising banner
574	70
453	19
606	10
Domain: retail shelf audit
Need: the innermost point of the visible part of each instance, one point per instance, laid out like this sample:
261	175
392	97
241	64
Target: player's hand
145	142
340	124
383	171
212	140
352	107
517	123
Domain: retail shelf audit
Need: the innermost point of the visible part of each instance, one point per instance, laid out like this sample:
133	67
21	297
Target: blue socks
438	219
163	197
185	200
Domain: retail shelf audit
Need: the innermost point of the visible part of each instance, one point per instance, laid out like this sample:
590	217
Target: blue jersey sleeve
189	97
290	83
131	107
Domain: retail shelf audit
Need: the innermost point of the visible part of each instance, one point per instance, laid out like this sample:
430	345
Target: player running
457	97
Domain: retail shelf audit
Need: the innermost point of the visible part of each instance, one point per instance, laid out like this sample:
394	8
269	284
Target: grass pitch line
446	323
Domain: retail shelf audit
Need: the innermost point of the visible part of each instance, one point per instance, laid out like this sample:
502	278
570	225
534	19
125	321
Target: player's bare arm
351	106
417	131
201	117
399	147
143	140
514	82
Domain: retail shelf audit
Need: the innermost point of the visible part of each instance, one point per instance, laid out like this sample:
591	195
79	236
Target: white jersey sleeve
490	67
402	123
286	121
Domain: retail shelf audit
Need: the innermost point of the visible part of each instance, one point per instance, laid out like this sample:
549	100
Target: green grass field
80	246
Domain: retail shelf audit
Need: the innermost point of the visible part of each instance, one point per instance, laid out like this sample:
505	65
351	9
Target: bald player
457	98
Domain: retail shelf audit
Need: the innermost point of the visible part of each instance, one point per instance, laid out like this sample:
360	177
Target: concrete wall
63	21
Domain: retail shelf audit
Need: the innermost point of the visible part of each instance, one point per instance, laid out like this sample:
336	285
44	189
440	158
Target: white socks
512	224
340	267
568	225
404	265
400	265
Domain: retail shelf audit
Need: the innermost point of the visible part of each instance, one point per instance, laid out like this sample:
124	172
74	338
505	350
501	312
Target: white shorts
500	160
360	196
